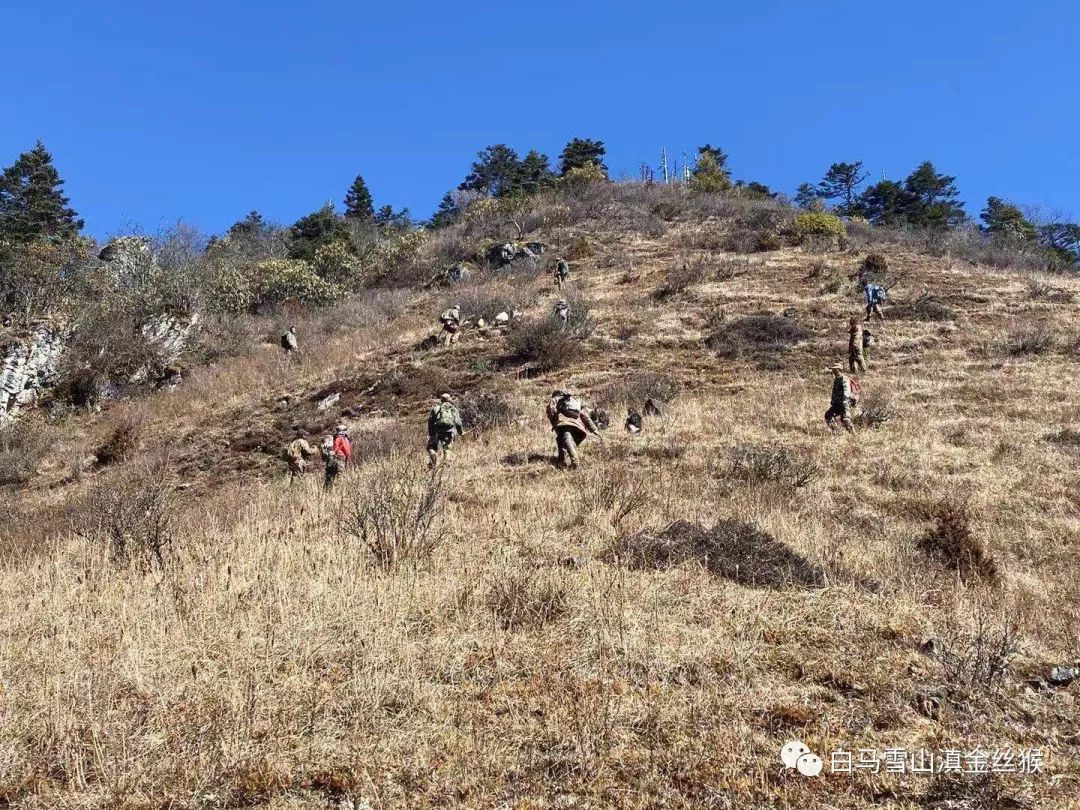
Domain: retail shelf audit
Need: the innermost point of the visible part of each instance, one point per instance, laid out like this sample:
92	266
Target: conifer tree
842	182
358	202
32	205
318	228
535	173
496	172
579	152
1006	221
933	198
885	203
807	198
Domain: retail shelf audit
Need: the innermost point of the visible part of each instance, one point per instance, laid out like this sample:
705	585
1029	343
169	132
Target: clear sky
204	111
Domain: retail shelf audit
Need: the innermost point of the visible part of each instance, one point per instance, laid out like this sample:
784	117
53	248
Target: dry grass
502	656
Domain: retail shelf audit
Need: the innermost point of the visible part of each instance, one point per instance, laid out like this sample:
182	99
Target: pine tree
710	172
841	182
806	197
32	205
318	228
496	172
358	202
1062	239
389	219
251	225
447	213
1005	221
934	199
886	203
757	189
580	152
535	173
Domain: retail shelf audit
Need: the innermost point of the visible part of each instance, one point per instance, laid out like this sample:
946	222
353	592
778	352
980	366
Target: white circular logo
792	750
809	764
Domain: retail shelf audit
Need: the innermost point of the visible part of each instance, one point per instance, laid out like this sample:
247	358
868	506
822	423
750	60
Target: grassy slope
271	663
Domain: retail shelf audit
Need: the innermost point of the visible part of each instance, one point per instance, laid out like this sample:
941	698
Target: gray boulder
129	256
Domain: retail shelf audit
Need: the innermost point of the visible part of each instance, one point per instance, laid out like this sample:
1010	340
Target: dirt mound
732	549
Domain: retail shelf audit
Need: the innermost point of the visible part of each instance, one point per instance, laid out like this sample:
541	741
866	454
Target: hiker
845	395
572	425
288	341
633	421
443	427
451	324
562	312
875	297
562	272
654	407
296	453
856	345
338	453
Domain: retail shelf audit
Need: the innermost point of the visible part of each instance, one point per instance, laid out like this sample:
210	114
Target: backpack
867	339
446	417
854	391
570	406
876	294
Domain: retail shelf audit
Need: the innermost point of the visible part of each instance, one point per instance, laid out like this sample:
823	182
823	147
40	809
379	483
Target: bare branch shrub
1029	340
759	334
396	510
526	600
924	308
123	440
635	388
876	409
953	543
484	410
981	658
23	446
135	516
682	277
756	463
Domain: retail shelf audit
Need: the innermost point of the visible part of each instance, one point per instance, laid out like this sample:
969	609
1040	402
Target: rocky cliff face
27	367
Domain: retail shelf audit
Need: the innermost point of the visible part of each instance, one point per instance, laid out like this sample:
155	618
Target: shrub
400	520
581	176
813	226
925	308
763	333
544	343
488	301
337	264
952	542
763	463
135	516
486	410
23	446
634	389
733	549
681	277
1041	291
875	265
767	240
875	409
526	600
1030	340
279	280
123	440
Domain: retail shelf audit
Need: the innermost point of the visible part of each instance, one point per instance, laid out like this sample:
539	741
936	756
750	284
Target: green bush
338	264
279	280
810	225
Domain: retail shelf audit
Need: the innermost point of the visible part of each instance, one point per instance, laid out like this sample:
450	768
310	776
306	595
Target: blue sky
204	111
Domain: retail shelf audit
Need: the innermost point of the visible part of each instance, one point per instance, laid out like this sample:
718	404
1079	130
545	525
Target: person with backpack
296	453
875	297
443	427
451	324
855	346
562	312
572	425
338	454
845	396
288	341
562	272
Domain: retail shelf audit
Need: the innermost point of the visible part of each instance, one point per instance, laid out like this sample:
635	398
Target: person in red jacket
340	455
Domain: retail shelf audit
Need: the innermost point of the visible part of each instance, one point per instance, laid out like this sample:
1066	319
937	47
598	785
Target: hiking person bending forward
855	347
443	427
875	297
845	395
338	453
296	453
562	272
451	324
571	424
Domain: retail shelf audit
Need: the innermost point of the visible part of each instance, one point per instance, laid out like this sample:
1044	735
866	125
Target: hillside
647	631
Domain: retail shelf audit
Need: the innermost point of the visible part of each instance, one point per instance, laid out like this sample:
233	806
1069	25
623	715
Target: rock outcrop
28	367
129	256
